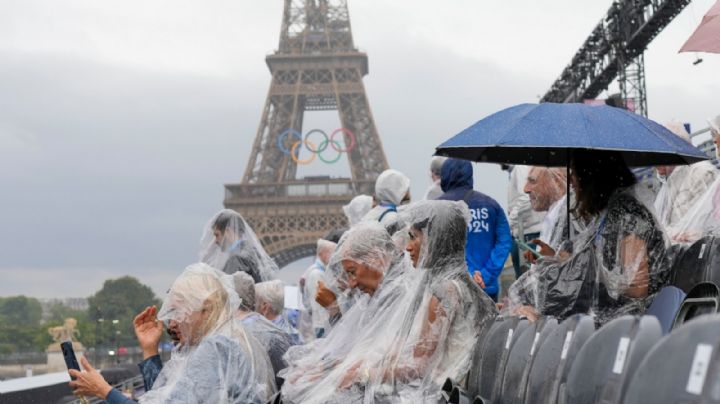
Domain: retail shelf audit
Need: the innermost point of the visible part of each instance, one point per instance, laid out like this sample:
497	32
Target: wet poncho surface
216	361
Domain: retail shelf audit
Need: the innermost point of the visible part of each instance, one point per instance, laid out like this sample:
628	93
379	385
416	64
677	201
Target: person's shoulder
484	199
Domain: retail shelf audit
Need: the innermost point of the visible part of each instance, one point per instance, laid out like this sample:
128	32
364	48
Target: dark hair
224	219
599	175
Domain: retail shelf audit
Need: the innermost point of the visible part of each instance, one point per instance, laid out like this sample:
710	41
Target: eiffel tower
316	68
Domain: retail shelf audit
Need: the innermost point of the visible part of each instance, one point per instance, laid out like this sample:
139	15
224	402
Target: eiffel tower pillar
316	68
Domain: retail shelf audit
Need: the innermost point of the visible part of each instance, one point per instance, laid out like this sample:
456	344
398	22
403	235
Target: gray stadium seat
495	352
681	368
702	299
520	360
602	369
553	360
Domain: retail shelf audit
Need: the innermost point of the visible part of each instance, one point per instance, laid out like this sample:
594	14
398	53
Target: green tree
20	310
120	300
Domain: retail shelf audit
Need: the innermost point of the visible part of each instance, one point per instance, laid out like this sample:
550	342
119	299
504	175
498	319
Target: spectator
488	239
434	191
392	189
682	188
525	222
358	207
311	280
270	302
275	341
547	188
230	245
214	361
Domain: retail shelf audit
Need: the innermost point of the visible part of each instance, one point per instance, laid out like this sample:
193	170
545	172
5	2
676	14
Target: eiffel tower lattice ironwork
316	68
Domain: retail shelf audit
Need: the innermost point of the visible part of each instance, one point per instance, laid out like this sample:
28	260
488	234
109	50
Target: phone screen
69	356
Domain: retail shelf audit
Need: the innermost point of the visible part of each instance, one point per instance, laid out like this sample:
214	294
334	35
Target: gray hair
245	288
272	292
436	164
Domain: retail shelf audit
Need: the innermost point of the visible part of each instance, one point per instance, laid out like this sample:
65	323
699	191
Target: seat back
665	307
703	299
680	368
498	344
520	359
554	358
609	358
699	263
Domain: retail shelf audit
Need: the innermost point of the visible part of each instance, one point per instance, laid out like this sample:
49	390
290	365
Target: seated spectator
392	189
212	363
230	245
274	340
683	187
618	263
309	284
369	261
270	302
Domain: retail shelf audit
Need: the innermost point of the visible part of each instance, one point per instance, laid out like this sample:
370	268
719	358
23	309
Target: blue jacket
489	239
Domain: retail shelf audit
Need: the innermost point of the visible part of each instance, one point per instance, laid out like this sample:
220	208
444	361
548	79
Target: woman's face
189	329
414	245
362	276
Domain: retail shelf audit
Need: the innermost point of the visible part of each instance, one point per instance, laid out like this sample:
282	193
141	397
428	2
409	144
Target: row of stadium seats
662	357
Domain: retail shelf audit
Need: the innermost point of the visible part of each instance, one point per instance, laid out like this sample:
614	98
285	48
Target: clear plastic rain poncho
358	207
215	361
426	335
391	189
230	245
681	198
617	265
314	369
272	340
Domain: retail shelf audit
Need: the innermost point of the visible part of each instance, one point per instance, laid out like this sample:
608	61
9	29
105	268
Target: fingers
86	365
74	373
538	242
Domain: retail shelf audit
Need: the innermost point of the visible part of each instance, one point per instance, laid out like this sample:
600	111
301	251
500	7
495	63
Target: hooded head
199	302
391	187
456	173
363	255
226	235
438	233
358	207
678	129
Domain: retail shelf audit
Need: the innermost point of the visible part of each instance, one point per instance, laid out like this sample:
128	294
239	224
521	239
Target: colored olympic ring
323	144
347	132
283	136
335	160
294	151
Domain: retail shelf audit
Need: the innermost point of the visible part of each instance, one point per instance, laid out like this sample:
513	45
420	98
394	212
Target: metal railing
300	188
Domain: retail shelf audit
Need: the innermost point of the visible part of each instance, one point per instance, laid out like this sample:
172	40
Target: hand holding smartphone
71	361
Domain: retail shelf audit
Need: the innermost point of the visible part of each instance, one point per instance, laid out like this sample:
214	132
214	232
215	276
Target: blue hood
456	174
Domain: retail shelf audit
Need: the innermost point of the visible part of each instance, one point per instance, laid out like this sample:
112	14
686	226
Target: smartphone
528	247
69	356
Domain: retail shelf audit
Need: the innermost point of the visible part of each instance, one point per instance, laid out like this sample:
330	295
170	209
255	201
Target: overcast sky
120	121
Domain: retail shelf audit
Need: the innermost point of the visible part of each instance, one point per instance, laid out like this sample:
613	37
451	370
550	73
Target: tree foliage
119	299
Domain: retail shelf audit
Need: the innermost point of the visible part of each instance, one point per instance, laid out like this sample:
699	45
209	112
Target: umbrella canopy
545	135
706	37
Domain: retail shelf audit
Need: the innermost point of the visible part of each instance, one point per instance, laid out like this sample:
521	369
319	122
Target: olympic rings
320	148
295	153
335	160
347	132
304	141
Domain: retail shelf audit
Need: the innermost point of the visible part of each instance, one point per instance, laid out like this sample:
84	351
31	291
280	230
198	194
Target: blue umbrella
545	135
